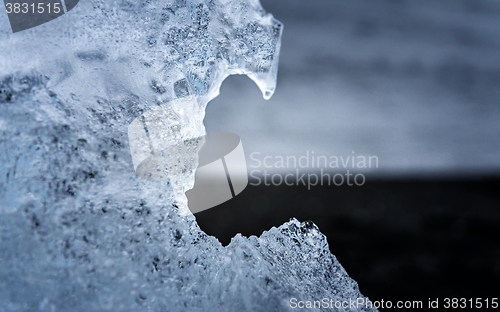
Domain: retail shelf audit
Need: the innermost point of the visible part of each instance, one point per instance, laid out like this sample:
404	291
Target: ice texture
79	230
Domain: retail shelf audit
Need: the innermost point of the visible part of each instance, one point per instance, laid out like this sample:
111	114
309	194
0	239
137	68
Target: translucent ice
133	56
79	231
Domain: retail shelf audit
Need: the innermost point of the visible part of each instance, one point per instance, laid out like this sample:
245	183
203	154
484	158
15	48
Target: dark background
400	239
416	83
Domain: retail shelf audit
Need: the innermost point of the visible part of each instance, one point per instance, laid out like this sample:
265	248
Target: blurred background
415	83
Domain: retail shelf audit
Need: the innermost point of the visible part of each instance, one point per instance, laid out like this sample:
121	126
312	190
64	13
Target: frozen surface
79	231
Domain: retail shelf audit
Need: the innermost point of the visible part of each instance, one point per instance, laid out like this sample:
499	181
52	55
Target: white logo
163	148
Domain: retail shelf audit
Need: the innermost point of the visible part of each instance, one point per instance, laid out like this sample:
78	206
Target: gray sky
415	83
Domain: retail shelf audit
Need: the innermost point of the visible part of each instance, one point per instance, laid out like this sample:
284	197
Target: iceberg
79	230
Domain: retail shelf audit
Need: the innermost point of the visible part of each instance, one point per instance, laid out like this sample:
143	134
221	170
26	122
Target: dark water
402	239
